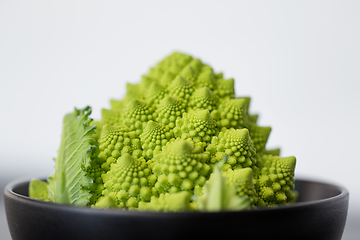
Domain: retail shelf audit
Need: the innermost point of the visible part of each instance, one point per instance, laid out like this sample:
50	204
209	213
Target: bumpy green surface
221	194
242	179
181	166
168	202
162	141
274	183
129	181
237	144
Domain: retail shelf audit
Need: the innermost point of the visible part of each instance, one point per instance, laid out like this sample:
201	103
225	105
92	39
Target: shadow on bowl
320	213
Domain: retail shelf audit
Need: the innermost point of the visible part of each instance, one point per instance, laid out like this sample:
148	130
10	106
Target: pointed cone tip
242	133
167	77
133	103
106	129
168	100
188	70
266	130
151	125
126	159
204	115
182	147
239	102
204	91
290	162
244	173
154	87
230	80
179	80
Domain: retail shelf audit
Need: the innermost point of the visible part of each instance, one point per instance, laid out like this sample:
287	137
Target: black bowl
320	213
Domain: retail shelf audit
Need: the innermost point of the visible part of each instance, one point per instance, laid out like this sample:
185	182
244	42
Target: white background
298	60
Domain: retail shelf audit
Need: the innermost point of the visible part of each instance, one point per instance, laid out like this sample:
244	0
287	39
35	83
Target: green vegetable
220	194
180	140
105	202
242	180
70	183
38	190
168	202
122	185
274	183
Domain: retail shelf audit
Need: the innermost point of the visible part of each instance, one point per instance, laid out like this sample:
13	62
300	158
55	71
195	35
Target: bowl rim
8	192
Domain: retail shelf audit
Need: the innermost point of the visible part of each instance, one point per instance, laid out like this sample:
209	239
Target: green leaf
220	196
70	184
38	190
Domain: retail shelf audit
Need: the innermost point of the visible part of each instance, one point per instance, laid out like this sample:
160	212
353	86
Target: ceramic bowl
320	213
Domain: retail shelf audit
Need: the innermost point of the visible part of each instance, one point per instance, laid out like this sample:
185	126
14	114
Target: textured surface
69	184
194	103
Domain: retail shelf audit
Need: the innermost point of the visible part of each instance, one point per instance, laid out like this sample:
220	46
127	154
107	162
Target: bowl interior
313	191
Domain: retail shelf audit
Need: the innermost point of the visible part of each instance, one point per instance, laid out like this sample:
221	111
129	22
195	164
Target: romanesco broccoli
180	140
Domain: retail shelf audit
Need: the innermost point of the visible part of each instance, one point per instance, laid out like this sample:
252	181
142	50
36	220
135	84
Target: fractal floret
179	140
